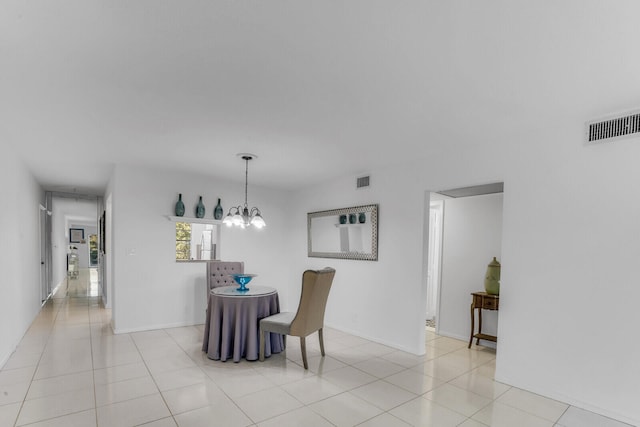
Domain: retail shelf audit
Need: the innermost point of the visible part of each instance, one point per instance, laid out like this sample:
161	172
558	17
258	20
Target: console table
482	301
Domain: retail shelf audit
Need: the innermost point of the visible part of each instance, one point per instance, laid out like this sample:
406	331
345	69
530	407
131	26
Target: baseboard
6	359
376	340
154	327
570	401
55	289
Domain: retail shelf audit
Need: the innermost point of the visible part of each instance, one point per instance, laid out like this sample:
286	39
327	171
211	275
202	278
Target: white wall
570	246
381	300
19	251
566	257
472	236
150	289
570	254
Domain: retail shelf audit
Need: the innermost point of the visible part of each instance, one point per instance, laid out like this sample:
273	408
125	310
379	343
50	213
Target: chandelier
242	216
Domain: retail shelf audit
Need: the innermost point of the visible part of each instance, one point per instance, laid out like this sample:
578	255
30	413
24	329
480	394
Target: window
183	241
93	250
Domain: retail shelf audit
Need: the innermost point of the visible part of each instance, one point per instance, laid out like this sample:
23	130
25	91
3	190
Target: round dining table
232	323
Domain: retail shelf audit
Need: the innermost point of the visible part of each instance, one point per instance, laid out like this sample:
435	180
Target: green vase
217	212
179	206
200	209
492	278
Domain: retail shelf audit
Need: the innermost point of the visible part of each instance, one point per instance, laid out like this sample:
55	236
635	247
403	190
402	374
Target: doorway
436	210
93	250
464	233
44	226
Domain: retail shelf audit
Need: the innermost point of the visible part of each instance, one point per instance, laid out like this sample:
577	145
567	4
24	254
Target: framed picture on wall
103	232
76	235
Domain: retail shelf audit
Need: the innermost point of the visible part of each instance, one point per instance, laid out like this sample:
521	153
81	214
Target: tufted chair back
218	273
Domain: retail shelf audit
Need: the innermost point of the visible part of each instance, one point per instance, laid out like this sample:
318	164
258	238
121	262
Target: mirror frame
368	256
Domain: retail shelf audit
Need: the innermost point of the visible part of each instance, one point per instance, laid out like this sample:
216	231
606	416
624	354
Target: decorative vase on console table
218	212
179	206
200	209
492	278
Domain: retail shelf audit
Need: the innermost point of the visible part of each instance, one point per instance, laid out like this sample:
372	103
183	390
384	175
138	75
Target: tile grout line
166	404
49	333
93	368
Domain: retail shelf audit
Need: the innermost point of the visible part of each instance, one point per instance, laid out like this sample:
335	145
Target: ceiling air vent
606	130
362	182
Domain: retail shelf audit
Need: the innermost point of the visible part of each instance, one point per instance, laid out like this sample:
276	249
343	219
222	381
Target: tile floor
71	370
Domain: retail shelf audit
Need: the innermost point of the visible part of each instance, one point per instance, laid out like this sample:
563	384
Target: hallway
70	370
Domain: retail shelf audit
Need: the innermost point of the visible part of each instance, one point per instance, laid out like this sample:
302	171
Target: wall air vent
612	128
362	182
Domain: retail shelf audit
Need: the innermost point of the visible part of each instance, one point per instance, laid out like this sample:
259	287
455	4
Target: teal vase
217	212
362	218
179	206
200	209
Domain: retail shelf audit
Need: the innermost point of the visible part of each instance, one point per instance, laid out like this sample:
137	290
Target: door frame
434	259
44	234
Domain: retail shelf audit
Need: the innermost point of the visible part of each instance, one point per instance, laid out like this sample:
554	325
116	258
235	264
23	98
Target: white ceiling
316	89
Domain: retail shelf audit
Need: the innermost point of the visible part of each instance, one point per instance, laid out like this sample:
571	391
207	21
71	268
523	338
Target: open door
45	245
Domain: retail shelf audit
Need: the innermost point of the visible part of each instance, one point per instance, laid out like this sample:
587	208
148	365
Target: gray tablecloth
231	327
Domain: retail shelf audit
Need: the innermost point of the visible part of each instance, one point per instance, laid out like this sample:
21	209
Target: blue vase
362	218
343	219
217	212
352	218
200	209
179	206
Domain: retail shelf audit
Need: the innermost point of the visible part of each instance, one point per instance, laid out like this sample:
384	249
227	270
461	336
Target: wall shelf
357	224
194	220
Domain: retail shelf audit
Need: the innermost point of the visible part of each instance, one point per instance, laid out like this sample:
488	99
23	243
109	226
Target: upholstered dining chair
218	273
310	314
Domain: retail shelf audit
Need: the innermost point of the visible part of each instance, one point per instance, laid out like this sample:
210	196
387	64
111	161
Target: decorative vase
352	218
243	280
200	209
179	206
362	218
343	219
492	278
217	212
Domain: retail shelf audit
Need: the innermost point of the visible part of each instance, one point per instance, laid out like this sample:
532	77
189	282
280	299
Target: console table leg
479	325
473	318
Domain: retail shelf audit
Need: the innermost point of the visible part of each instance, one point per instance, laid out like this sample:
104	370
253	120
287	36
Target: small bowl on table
243	280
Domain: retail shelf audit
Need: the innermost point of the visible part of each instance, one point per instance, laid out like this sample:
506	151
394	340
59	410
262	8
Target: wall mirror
348	233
